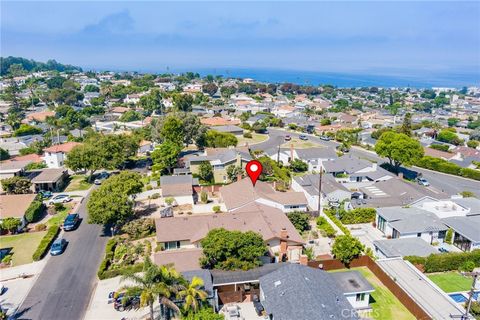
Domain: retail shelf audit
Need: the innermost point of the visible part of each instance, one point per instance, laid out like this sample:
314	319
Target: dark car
71	222
123	302
45	194
58	247
288	138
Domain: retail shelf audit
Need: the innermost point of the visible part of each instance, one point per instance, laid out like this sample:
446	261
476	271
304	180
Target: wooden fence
385	279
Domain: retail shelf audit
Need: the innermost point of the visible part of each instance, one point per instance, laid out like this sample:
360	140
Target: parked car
58	247
303	137
443	250
45	194
2	288
61	198
423	182
71	221
288	138
123	302
101	177
325	138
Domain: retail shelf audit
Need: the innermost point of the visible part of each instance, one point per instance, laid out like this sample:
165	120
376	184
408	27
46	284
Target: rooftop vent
277	283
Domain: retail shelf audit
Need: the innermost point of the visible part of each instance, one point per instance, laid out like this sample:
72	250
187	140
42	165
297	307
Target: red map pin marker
254	170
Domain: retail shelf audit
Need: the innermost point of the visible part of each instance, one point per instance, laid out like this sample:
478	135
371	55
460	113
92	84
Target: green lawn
385	306
78	183
256	138
58	218
451	281
300	144
23	245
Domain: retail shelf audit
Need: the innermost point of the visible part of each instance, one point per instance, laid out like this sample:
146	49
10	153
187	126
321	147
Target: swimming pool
458	297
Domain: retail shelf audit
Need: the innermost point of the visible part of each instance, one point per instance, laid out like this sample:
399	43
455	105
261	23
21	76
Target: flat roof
402	247
352	282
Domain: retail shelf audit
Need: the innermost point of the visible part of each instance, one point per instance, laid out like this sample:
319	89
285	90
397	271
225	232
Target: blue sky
377	37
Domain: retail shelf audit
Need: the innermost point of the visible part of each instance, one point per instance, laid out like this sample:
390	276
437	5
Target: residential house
10	169
185	233
402	247
220	159
299	292
15	144
15	206
314	157
56	155
180	187
40	116
355	288
193	88
332	191
219	121
52	179
242	192
235	130
145	147
133	98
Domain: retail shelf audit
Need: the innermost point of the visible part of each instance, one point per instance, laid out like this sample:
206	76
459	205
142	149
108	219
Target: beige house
15	206
182	235
220	159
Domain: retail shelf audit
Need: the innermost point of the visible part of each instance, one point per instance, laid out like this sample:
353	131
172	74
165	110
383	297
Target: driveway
64	288
366	233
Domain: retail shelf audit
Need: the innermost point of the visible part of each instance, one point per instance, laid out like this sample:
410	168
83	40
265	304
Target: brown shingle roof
182	260
48	175
262	219
15	205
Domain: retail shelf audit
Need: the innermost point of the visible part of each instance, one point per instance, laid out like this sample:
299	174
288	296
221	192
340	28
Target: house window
442	234
419	234
172	245
360	297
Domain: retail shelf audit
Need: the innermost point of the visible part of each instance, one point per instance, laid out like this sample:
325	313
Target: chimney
303	259
291	152
239	176
284	233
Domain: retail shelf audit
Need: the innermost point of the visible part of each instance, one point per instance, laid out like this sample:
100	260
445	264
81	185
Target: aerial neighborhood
128	193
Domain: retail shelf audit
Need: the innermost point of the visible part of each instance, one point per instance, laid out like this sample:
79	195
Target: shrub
446	261
300	220
148	248
358	215
444	166
44	245
216	209
140	228
155	196
107	274
449	236
7	259
40	227
441	147
34	211
204	197
467	266
169	201
331	214
148	187
475	308
248	135
325	227
10	224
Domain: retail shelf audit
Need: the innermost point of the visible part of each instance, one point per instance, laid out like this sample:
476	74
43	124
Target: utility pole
466	315
278	153
320	190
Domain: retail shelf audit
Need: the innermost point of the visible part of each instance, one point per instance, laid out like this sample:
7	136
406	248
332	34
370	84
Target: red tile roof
218	121
64	147
28	157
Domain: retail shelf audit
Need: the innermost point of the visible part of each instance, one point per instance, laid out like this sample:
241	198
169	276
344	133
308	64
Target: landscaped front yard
451	281
300	144
23	246
78	183
385	305
256	138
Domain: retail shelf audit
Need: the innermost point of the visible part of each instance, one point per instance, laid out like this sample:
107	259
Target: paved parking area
366	233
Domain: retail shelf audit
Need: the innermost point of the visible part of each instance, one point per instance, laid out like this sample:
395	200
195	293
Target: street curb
95	285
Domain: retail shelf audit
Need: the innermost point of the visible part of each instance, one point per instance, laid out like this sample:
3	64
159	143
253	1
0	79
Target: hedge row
446	261
444	166
46	242
331	214
104	273
358	215
34	211
325	227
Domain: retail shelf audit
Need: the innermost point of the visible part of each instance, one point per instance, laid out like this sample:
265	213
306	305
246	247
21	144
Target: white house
56	155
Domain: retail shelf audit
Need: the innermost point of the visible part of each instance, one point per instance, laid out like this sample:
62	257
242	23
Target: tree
300	220
180	127
259	127
205	171
231	250
193	295
152	102
233	172
183	102
227	91
165	156
111	203
130	115
26	129
172	130
399	149
407	125
10	224
346	248
452	122
472	144
91	88
215	139
153	282
298	165
449	137
16	185
4	155
210	88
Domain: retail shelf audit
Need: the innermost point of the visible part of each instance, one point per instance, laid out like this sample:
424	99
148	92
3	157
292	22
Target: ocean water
344	80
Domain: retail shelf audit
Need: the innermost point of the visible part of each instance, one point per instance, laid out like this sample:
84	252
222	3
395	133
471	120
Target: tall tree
183	102
205	171
399	149
346	248
407	124
165	156
16	185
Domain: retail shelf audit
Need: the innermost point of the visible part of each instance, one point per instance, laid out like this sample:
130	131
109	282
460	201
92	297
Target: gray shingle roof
300	292
316	153
404	247
347	164
221	277
469	226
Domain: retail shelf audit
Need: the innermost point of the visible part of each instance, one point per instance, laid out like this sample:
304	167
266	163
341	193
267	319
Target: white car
61	198
423	182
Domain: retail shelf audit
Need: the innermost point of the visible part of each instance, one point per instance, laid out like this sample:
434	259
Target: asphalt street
439	182
64	287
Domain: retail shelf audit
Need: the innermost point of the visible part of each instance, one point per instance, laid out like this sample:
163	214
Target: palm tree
147	284
171	283
193	295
